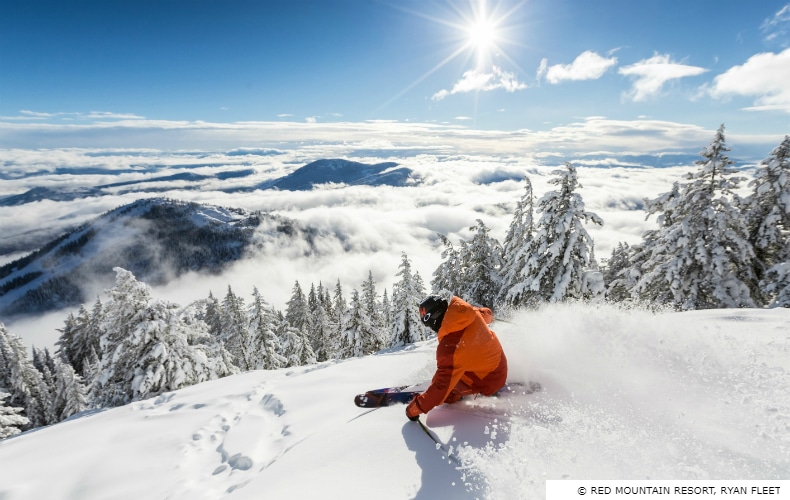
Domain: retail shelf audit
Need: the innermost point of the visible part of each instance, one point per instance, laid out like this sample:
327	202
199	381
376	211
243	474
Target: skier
469	357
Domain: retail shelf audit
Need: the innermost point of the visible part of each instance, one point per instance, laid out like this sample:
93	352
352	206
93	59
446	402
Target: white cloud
477	81
35	114
651	74
588	65
103	115
92	115
764	76
776	28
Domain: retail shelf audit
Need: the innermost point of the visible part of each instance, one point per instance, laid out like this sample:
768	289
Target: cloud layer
467	175
336	139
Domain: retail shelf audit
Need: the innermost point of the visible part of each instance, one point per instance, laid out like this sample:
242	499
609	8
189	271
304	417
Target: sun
482	35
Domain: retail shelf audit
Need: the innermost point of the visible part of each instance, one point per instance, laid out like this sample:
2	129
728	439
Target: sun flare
483	31
482	34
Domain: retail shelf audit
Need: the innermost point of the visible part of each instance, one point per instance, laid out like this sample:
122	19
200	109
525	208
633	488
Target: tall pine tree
295	347
768	217
70	395
561	253
235	333
20	378
266	344
406	297
481	260
516	247
449	274
359	336
373	310
321	327
700	256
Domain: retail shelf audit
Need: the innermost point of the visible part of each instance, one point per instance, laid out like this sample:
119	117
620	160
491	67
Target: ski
404	394
385	397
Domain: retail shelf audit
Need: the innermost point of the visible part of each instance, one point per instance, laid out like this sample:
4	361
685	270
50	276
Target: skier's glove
413	411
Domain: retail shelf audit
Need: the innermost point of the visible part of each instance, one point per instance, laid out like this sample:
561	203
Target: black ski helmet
432	310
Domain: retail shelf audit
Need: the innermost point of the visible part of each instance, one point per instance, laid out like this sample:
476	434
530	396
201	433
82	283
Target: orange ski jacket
468	352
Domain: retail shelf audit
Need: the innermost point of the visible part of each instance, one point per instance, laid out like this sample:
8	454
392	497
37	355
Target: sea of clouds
459	176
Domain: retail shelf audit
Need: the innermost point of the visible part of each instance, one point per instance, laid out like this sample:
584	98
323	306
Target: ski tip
368	400
361	400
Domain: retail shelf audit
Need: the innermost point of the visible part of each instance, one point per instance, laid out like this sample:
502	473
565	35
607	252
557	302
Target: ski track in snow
626	394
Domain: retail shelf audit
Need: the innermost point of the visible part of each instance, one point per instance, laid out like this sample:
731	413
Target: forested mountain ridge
341	171
155	238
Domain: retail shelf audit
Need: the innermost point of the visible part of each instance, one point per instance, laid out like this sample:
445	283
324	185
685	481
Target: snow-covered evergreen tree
516	247
70	396
560	255
146	347
777	284
212	316
313	297
338	318
618	287
297	312
23	381
80	336
67	334
769	206
359	337
768	217
266	344
45	365
90	368
321	329
235	334
700	256
295	347
481	260
11	420
372	309
406	297
386	318
449	274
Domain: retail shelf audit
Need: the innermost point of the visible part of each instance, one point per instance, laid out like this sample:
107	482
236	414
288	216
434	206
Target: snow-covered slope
627	395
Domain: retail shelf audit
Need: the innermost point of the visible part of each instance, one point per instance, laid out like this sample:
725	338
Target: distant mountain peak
340	171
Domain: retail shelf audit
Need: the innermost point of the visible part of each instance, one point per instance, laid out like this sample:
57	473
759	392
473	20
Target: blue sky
510	65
